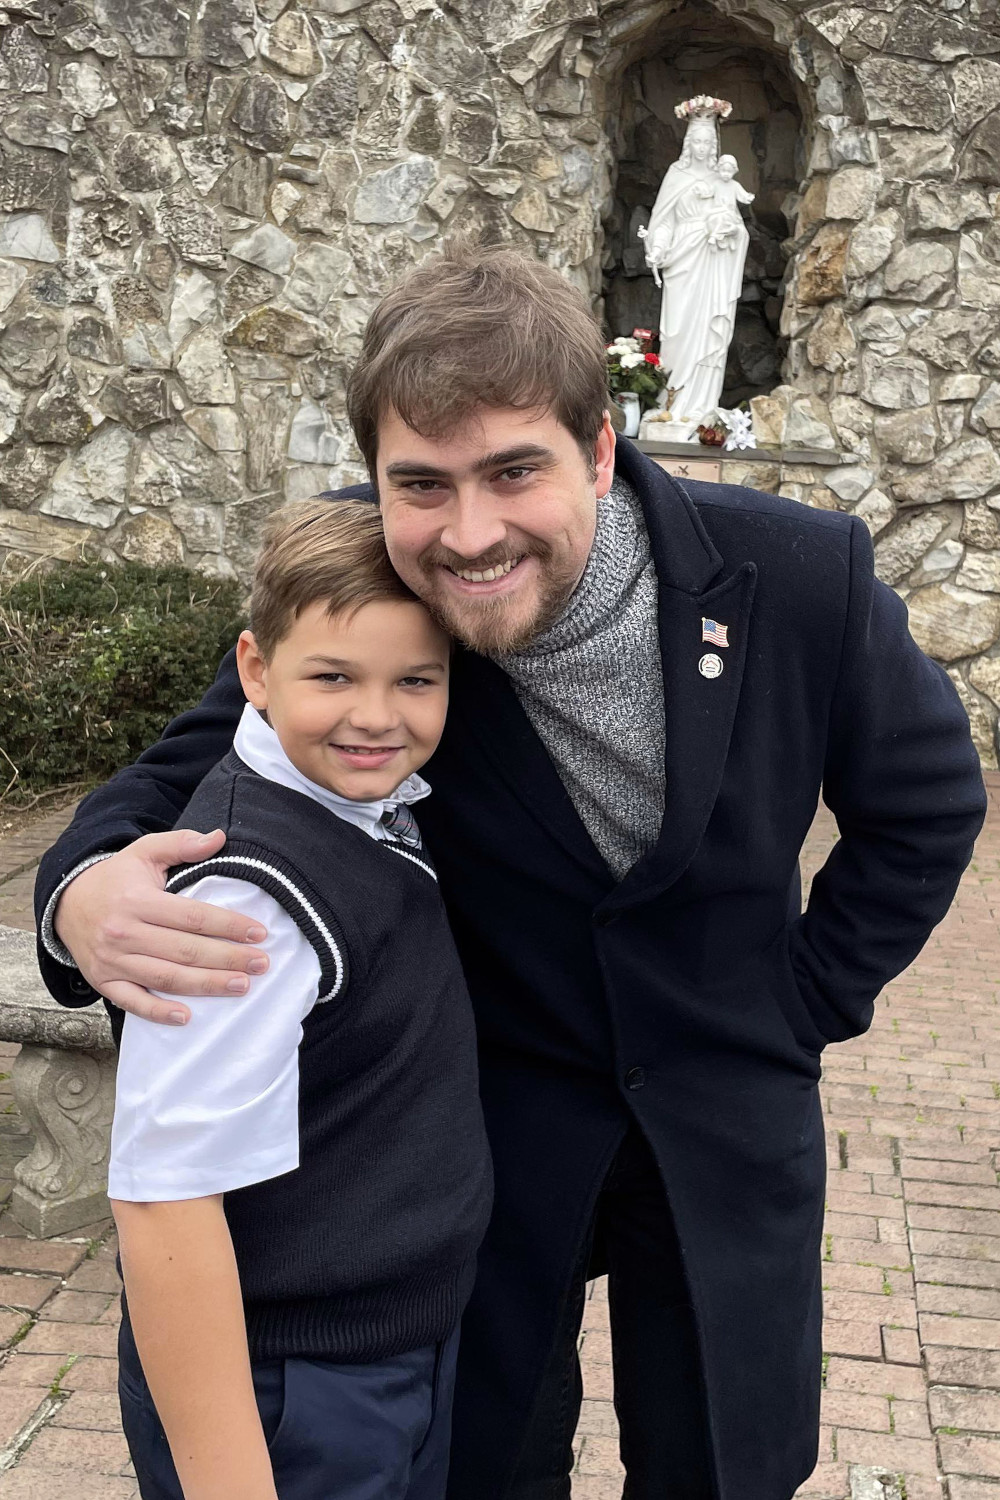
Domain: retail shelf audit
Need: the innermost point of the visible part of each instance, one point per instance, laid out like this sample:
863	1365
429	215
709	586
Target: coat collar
683	553
699	711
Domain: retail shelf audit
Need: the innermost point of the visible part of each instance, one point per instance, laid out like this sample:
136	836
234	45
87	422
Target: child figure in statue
725	220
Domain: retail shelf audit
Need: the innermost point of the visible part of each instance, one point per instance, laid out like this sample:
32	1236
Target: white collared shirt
213	1106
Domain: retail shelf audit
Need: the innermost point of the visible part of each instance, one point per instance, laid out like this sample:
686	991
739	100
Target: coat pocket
783	985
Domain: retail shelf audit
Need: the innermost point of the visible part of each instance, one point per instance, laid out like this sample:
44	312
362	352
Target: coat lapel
699	710
490	711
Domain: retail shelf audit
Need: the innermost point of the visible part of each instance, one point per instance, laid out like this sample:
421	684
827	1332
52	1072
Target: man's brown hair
478	326
329	550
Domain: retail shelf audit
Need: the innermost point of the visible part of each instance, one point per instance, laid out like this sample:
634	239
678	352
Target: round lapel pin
710	665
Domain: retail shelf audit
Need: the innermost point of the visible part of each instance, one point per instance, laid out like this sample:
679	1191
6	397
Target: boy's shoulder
210	804
233	796
257	813
283	842
342	887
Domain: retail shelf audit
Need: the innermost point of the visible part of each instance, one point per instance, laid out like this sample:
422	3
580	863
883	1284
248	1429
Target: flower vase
629	403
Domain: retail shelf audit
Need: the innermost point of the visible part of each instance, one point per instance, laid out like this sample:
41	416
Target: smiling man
655	684
527	554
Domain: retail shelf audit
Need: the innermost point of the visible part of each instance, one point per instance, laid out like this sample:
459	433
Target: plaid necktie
400	824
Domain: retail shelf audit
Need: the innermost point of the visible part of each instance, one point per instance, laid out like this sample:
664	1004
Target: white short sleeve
213	1105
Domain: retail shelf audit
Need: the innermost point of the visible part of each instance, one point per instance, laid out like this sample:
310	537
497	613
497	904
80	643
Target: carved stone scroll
67	1099
64	1087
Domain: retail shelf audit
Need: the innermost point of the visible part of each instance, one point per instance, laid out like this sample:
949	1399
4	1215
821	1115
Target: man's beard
495	625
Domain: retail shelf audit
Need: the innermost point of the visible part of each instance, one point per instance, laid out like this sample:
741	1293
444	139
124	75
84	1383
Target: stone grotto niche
697	51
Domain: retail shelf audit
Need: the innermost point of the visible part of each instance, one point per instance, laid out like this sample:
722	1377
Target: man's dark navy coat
691	997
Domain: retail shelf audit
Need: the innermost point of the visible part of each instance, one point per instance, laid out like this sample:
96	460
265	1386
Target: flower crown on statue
703	106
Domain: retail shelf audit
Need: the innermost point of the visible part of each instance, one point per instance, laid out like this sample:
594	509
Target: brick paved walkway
19	857
911	1261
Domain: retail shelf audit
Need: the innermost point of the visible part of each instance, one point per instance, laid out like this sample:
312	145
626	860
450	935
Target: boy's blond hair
329	550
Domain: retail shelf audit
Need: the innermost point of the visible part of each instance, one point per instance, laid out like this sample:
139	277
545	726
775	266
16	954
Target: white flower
624	345
740	434
631	358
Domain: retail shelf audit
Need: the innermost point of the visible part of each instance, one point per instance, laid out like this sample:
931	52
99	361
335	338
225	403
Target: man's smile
486	575
502	578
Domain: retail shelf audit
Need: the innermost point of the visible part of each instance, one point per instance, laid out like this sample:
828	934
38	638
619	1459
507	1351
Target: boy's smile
358	700
366	758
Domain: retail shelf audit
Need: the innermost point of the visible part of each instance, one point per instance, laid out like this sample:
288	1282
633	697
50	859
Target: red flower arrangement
632	366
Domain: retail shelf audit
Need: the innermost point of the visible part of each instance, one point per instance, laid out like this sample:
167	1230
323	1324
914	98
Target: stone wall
200	205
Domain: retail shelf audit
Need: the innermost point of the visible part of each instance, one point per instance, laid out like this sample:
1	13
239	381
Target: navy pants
334	1432
659	1395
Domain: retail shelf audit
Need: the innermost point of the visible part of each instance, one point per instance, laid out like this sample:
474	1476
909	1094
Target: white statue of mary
696	243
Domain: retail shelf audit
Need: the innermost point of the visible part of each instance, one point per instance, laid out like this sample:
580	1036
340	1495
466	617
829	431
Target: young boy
301	1188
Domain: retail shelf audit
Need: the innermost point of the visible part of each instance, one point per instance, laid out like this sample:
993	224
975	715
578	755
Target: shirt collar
258	746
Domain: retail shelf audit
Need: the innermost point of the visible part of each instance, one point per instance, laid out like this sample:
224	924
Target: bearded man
656	682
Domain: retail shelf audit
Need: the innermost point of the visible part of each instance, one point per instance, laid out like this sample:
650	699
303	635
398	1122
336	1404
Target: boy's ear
252	669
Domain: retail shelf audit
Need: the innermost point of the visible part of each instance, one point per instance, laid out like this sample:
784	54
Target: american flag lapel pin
714	633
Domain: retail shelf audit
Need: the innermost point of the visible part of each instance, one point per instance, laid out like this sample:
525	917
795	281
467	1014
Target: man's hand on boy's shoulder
127	935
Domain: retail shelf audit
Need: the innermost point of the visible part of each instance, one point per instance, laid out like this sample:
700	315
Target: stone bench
64	1086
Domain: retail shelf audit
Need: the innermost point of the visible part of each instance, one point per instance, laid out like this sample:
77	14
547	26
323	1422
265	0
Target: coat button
79	986
635	1078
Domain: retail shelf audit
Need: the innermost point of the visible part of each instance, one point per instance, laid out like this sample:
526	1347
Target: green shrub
94	661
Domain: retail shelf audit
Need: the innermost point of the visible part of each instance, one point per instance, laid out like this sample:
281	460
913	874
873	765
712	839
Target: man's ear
252	669
604	458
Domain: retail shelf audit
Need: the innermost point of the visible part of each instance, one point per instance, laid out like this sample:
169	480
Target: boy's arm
198	1113
184	1303
114	919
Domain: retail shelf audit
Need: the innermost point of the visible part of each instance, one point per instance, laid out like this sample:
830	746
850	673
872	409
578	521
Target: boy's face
359	700
492	525
727	167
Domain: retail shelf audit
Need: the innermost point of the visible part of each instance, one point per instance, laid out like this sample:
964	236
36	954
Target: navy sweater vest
368	1248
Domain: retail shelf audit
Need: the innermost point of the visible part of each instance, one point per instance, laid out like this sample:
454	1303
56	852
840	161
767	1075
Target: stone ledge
28	1012
816	457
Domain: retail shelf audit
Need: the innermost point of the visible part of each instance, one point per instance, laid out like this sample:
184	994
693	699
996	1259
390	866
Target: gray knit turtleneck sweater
592	687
